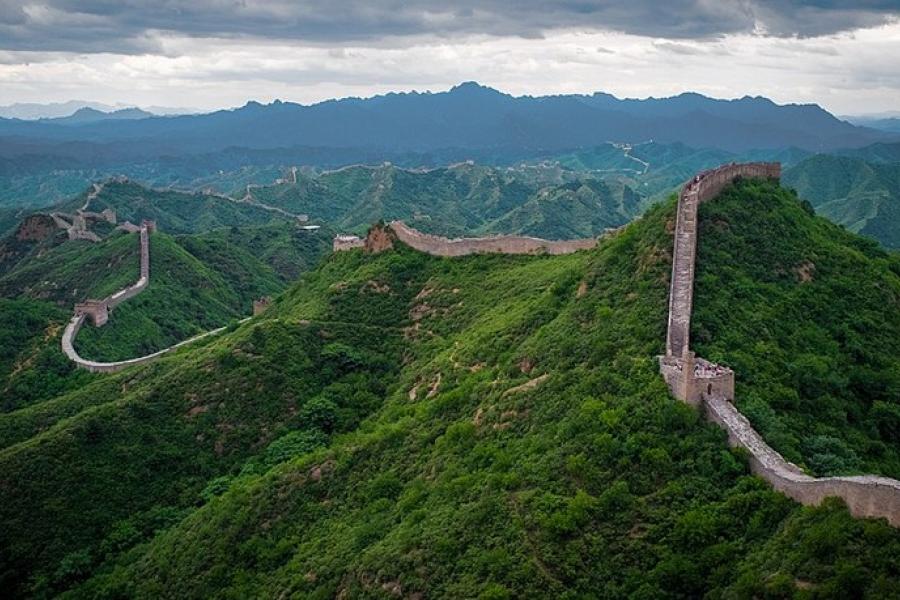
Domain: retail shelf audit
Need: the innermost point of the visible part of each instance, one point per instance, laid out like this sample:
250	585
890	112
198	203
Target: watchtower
97	310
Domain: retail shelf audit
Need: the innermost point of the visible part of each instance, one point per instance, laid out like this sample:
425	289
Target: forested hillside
863	196
173	211
198	282
490	426
462	199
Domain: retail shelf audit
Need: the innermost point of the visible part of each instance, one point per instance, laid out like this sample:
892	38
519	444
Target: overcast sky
219	53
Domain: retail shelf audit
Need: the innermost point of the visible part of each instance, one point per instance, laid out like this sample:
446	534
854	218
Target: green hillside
186	296
653	170
198	282
283	247
464	199
174	212
32	368
806	313
863	196
492	426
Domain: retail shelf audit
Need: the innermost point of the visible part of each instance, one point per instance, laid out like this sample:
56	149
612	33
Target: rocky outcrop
710	387
379	239
36	228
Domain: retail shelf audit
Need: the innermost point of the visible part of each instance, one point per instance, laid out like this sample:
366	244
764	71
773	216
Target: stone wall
701	188
692	379
98	310
93	308
346	242
506	244
711	387
865	495
111	367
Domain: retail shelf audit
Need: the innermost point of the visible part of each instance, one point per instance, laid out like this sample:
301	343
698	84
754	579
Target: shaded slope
283	247
863	196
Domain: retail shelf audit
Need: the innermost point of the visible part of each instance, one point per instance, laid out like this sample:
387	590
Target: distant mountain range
891	124
58	110
86	115
470	119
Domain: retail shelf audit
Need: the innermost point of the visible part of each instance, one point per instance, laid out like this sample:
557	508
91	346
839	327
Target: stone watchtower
693	379
97	310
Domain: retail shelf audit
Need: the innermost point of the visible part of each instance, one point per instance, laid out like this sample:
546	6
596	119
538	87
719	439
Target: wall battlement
501	244
710	387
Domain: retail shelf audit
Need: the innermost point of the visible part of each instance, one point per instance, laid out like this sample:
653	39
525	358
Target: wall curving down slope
96	308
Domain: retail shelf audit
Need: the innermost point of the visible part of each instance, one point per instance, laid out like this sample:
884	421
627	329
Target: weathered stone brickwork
346	242
97	310
710	387
260	306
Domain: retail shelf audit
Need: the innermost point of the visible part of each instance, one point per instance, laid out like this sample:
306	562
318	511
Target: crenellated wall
865	495
710	387
504	244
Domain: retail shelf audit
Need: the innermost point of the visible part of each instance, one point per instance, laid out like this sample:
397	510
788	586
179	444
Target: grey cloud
129	26
677	48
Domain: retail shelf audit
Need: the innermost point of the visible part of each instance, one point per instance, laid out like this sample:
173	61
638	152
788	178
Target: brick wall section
98	310
865	495
506	244
711	387
702	187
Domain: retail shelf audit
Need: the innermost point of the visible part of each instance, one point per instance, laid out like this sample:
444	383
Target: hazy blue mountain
469	117
50	110
90	115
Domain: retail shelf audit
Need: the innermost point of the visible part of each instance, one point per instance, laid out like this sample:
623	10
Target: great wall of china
698	382
98	312
441	246
710	387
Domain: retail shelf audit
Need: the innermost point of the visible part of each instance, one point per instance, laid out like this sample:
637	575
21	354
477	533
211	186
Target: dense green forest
863	195
806	314
198	282
491	426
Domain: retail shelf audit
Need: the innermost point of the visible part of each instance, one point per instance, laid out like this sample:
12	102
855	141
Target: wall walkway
711	387
502	244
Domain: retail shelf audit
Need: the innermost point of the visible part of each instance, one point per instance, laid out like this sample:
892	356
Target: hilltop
490	426
460	199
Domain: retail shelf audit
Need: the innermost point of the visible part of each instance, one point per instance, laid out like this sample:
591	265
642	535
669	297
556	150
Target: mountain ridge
474	116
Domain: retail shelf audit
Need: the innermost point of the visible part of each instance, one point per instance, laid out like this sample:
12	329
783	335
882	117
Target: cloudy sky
218	53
